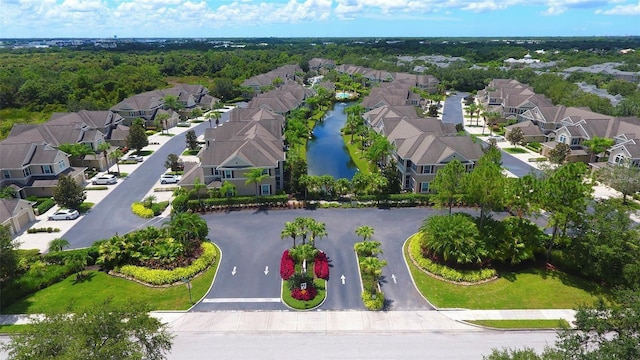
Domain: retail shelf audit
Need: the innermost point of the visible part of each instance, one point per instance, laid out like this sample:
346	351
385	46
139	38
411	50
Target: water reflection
326	152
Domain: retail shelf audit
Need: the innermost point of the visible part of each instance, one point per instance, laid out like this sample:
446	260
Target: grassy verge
85	206
515	150
98	286
522	324
356	154
528	289
13	329
305	305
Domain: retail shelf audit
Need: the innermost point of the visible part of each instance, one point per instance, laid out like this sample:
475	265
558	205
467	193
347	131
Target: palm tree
187	228
373	266
471	109
228	190
317	230
197	186
365	231
255	176
77	262
368	248
303	254
303	224
492	118
116	155
148	201
597	145
57	245
290	230
480	108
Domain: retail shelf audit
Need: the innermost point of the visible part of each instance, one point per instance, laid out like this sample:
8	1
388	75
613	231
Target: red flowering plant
321	266
287	265
302	287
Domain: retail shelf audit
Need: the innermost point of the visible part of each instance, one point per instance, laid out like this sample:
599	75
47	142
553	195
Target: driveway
248	277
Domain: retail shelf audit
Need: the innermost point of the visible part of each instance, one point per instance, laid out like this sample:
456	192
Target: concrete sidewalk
334	321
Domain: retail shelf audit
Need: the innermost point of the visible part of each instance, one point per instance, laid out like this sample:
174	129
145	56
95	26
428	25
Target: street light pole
187	282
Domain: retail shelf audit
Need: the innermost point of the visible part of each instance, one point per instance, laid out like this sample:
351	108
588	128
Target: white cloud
631	9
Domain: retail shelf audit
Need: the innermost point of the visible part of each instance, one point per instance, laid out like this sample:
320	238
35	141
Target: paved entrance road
113	214
250	242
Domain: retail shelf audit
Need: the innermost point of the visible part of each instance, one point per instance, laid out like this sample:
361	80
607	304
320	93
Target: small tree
255	176
622	177
160	121
116	155
137	138
105	330
172	162
196	113
68	193
559	154
192	140
515	136
365	231
57	245
448	184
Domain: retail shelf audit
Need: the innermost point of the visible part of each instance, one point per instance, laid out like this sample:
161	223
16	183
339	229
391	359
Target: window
47	169
266	171
619	159
62	165
562	139
428	169
6	174
215	172
265	189
228	174
468	167
575	141
407	182
424	187
26	171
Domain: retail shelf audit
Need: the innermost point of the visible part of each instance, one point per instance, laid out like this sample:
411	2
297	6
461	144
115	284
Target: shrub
305	295
141	211
445	272
287	265
371	303
321	266
39	230
45	206
165	277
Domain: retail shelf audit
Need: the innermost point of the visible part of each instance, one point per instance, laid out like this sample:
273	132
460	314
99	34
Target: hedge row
239	200
45	206
445	272
166	277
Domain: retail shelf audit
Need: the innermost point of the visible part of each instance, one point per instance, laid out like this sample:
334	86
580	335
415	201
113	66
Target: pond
326	152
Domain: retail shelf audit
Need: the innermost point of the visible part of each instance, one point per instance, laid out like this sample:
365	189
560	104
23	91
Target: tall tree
373	267
515	136
256	176
192	140
137	138
68	193
8	258
623	177
291	230
559	154
449	184
106	330
172	102
566	192
484	186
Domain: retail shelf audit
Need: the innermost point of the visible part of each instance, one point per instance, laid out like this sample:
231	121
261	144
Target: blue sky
316	18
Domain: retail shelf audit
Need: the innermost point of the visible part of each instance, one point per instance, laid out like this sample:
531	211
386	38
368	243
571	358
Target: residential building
16	214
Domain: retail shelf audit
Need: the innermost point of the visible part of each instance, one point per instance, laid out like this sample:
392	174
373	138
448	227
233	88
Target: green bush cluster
371	303
166	277
446	272
141	210
237	200
44	206
102	187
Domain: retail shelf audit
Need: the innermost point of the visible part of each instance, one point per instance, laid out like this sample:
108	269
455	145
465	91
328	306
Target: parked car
106	179
137	158
169	179
497	138
64	214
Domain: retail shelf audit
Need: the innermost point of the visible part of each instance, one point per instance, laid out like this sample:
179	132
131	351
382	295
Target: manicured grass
528	289
515	150
522	324
14	329
356	154
99	286
305	305
191	152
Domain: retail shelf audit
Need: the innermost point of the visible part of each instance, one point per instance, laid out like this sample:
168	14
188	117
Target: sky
316	18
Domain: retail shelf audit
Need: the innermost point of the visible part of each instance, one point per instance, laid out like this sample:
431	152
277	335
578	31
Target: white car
169	179
64	214
106	179
497	138
137	158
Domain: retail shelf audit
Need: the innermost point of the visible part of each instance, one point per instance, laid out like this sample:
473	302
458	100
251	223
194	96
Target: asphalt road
251	244
449	345
113	214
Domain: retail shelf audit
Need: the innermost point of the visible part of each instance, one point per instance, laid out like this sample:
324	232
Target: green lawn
356	154
515	150
13	329
522	324
529	289
99	286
